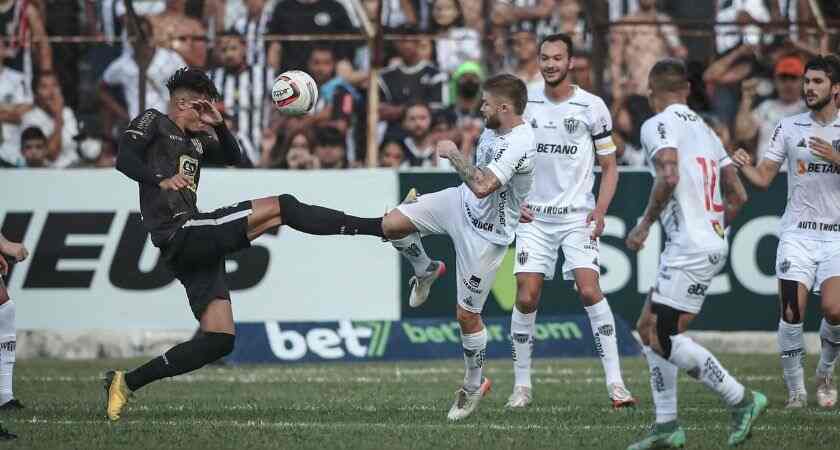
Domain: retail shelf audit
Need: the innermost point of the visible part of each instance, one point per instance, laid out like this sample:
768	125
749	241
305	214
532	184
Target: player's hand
525	213
638	235
4	267
445	147
16	251
175	183
823	150
596	216
741	158
207	113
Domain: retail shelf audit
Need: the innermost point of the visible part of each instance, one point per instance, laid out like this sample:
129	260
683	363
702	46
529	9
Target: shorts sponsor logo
522	257
472	284
591	245
475	281
784	266
468	301
698	289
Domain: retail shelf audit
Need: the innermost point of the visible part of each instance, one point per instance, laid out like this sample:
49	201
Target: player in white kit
808	256
480	216
690	167
571	127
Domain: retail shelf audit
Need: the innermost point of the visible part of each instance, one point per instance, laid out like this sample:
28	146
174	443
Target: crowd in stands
63	103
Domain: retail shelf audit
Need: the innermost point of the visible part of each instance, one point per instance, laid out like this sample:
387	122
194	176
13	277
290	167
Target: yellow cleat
117	392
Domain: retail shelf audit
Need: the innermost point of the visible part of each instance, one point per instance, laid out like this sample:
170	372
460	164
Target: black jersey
154	148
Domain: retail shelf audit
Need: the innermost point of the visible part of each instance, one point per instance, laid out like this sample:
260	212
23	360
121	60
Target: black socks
182	358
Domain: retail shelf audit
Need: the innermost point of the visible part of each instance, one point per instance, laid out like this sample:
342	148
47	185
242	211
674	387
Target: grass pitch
388	406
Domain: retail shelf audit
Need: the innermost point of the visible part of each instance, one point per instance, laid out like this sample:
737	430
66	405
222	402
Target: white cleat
467	402
420	286
520	398
797	400
620	396
826	391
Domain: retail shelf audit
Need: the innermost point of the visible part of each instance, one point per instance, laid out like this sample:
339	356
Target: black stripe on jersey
536	101
606	133
802	124
579	104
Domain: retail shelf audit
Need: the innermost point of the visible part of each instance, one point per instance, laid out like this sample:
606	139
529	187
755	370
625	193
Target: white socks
606	343
792	350
475	348
522	342
7	349
830	338
702	365
412	248
663	385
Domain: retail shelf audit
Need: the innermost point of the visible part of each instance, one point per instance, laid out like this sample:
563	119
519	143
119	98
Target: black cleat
5	435
12	405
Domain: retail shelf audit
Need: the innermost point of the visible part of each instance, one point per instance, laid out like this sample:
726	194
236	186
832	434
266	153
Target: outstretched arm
759	176
481	181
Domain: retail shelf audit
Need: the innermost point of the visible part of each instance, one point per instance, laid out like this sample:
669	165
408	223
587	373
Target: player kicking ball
571	127
480	216
809	244
689	160
163	153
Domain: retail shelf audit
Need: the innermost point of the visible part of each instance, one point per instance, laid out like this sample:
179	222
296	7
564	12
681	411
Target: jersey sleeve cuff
498	173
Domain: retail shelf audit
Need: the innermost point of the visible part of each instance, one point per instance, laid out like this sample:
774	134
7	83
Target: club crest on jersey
197	144
571	125
522	257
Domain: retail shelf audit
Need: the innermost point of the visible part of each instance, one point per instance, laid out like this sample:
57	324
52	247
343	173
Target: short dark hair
329	137
668	75
194	80
36	78
322	48
560	37
510	87
32	133
414	104
231	32
830	64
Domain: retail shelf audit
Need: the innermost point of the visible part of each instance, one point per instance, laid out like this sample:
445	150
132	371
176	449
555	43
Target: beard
819	103
492	122
559	80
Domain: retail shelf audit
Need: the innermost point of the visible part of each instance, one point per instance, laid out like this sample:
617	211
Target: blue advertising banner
273	342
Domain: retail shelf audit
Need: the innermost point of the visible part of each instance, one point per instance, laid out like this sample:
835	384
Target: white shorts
537	244
807	261
476	259
684	278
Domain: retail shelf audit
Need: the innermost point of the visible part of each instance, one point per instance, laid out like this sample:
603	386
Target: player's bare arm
734	193
759	176
606	192
481	182
666	163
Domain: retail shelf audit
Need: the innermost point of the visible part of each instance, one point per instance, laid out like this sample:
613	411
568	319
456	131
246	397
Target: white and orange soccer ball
294	92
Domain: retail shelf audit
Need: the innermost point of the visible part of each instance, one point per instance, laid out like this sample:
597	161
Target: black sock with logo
312	219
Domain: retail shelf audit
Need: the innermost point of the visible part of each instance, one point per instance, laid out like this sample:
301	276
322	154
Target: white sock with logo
7	349
475	349
792	350
522	343
412	249
663	385
702	365
606	344
830	338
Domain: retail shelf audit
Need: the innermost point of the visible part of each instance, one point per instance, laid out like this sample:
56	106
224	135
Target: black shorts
196	253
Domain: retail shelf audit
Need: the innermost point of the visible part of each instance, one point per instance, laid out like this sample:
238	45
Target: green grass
387	406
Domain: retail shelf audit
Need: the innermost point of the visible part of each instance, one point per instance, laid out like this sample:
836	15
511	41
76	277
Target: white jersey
813	202
568	135
693	218
510	157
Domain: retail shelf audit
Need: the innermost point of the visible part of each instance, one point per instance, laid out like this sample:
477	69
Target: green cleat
744	418
662	435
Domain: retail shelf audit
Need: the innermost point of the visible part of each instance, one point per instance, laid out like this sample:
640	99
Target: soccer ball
294	92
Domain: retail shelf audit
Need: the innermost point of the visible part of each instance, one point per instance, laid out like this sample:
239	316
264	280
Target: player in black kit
163	153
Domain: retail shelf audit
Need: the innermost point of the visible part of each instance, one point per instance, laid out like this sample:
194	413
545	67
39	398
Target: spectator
253	26
210	14
54	119
760	121
629	115
526	54
307	16
535	16
391	154
581	72
635	48
748	13
33	147
295	152
245	89
175	30
721	130
330	149
570	21
457	44
475	15
123	74
23	26
15	101
466	90
723	79
412	79
418	140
